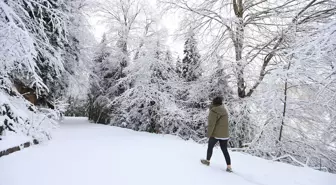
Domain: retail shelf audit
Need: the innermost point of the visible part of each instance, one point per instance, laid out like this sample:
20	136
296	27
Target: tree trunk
238	40
285	105
284	111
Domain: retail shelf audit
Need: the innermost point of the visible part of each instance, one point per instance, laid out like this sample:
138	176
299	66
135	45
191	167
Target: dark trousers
223	146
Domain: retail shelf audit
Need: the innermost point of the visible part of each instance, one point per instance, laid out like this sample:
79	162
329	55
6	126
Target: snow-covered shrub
19	116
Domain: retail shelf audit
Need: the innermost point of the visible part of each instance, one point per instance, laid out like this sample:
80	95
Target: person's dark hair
217	100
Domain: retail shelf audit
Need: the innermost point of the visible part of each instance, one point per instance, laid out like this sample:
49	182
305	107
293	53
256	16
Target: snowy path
88	154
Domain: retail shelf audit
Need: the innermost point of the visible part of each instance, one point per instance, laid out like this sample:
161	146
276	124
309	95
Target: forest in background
272	61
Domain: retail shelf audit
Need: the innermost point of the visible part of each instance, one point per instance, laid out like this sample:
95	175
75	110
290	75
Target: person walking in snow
218	130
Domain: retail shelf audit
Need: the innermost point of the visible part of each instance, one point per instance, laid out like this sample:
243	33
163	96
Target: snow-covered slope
81	153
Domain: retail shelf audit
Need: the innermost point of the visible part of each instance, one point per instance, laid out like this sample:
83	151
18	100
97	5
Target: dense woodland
272	61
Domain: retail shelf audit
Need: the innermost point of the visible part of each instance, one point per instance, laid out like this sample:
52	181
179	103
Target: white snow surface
12	140
82	153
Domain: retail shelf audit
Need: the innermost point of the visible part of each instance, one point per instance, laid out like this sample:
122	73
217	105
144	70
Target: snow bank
21	122
13	140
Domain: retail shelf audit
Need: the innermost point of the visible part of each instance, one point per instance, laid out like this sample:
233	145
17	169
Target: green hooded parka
218	122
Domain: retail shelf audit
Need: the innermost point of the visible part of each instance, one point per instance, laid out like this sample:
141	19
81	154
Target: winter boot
229	169
205	162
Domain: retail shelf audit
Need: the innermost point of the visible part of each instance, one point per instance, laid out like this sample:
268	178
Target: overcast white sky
170	21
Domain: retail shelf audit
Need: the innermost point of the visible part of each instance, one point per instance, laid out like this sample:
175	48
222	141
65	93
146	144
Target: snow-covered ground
81	153
12	140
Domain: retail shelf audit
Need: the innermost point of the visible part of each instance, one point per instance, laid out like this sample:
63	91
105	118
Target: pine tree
45	22
191	64
143	104
50	60
100	81
57	47
178	67
168	57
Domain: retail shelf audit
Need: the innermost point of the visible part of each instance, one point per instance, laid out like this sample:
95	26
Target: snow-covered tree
38	56
144	104
178	66
295	102
309	91
21	38
168	57
121	17
102	78
191	62
249	33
